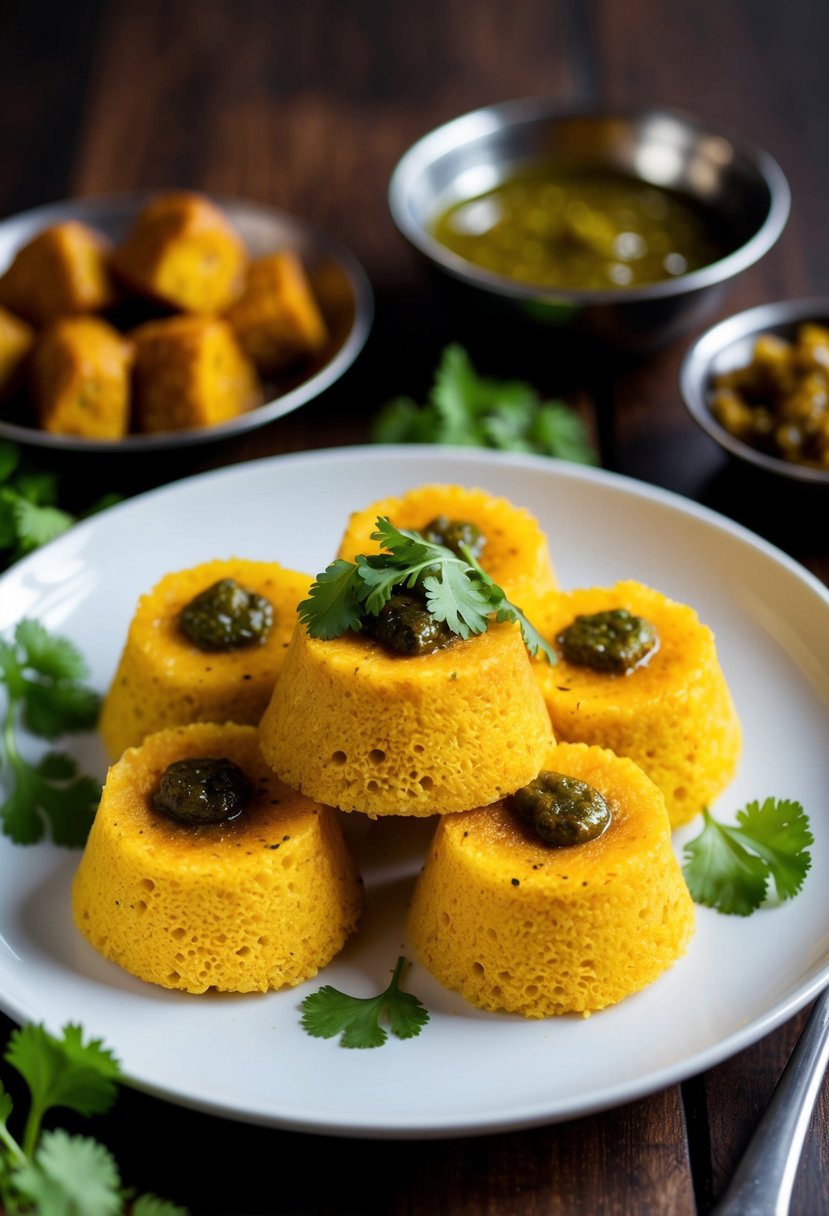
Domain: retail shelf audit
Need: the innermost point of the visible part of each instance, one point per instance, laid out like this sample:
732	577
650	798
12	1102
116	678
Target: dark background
307	105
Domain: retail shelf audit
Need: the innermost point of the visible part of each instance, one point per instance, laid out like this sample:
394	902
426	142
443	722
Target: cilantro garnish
728	868
329	1012
29	511
54	1173
43	675
458	590
471	411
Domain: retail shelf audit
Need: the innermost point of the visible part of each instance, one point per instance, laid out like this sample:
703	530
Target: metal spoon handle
762	1184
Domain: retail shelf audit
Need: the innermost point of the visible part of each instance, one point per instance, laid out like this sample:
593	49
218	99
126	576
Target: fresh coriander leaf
64	1071
458	600
558	431
403	421
778	831
721	874
533	640
728	868
37	486
470	410
9	459
151	1205
50	710
333	606
453	398
48	653
36	526
8	523
52	792
71	1176
329	1012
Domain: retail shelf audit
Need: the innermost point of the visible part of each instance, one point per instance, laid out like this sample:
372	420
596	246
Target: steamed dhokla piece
81	379
514	552
182	251
256	902
672	713
165	678
363	729
62	269
514	924
16	341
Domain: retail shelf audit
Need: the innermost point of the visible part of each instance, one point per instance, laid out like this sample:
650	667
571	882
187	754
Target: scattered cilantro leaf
55	1173
728	868
71	1176
457	589
43	674
329	1012
30	514
468	410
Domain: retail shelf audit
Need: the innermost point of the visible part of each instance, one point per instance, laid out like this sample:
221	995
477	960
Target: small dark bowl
743	185
730	345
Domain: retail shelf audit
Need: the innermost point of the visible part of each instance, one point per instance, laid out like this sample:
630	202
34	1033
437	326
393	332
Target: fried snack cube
183	252
81	373
16	341
190	372
64	269
277	319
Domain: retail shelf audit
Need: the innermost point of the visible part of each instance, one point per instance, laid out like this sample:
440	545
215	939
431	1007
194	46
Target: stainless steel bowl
477	151
730	345
339	281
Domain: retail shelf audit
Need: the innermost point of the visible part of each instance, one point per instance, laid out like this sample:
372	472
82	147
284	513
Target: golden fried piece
16	341
277	318
64	269
81	379
183	252
190	372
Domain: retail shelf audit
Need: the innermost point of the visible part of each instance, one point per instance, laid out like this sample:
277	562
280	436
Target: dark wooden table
307	104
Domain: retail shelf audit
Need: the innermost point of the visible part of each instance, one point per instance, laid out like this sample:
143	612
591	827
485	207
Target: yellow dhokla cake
515	553
163	679
362	729
514	924
673	714
255	903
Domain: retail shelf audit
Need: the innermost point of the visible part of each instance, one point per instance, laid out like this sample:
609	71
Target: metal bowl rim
489	119
694	375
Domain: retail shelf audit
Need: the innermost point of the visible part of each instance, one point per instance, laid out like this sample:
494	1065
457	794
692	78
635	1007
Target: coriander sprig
329	1012
728	867
55	1173
43	676
469	410
458	590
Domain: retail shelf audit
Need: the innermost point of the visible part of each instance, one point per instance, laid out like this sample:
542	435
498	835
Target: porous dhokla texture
359	728
16	341
515	925
191	372
81	379
260	902
183	252
515	555
163	679
673	714
276	318
63	269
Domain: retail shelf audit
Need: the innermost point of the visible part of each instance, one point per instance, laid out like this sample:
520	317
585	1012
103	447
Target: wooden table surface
306	105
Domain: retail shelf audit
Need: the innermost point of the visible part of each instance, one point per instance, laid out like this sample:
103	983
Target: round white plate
339	281
248	1057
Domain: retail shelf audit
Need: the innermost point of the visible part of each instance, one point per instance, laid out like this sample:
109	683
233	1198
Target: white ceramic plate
340	284
247	1057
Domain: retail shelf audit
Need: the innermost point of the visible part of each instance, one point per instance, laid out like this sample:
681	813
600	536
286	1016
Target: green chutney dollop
616	641
562	811
202	790
226	616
